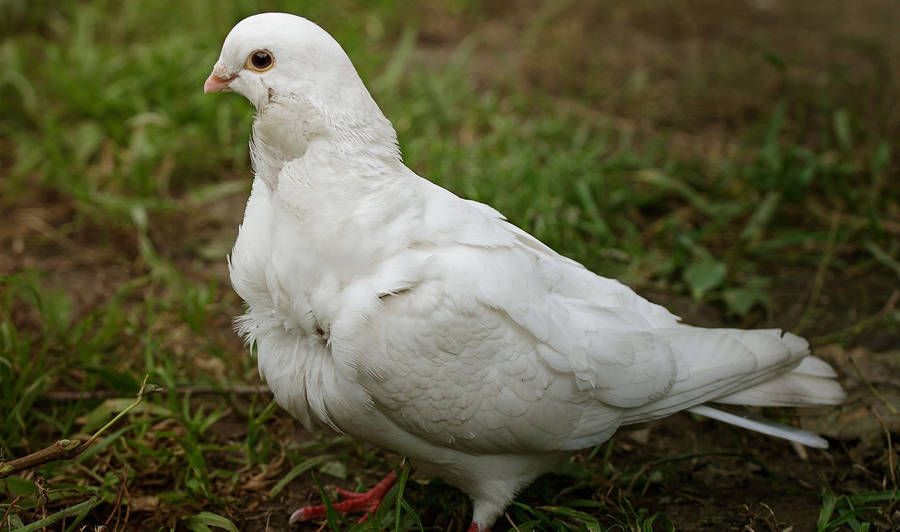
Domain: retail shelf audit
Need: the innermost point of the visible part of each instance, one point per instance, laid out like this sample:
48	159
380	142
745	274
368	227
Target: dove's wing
503	345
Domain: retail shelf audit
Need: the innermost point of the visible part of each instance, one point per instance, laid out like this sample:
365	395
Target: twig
823	213
819	281
644	468
862	324
67	449
127	506
882	256
872	388
887	433
117	506
67	395
509	518
58	451
9	508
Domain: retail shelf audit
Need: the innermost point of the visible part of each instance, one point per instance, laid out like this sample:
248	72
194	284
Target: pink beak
216	84
218	80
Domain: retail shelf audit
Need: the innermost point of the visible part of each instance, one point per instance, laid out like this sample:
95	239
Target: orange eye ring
259	61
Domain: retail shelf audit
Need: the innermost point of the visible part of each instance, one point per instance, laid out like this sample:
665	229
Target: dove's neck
347	124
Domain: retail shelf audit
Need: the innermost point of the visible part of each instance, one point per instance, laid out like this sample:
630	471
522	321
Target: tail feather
765	426
716	363
753	368
810	383
815	367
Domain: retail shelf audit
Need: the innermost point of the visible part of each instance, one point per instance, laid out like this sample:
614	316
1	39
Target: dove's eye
260	61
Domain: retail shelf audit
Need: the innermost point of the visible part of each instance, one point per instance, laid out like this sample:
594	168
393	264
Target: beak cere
218	80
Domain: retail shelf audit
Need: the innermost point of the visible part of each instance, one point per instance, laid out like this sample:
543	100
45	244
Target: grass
734	162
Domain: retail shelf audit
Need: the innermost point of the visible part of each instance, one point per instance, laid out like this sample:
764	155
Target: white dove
391	310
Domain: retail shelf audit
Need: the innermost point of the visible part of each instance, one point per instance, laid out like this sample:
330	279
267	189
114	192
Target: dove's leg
355	503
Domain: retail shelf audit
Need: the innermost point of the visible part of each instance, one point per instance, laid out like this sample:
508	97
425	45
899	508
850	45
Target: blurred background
735	161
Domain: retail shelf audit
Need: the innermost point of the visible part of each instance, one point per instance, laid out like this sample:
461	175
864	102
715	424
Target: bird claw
347	494
355	502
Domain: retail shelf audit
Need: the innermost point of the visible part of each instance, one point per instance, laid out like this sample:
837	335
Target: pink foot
355	503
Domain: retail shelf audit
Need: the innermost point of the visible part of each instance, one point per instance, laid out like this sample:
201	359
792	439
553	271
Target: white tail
752	368
812	382
804	437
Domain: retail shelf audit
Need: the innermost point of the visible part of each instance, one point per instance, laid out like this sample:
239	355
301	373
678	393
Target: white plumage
390	309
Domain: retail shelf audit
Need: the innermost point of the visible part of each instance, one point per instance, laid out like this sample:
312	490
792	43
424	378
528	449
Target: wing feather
503	345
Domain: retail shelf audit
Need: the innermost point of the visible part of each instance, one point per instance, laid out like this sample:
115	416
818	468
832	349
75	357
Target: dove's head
271	53
286	59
